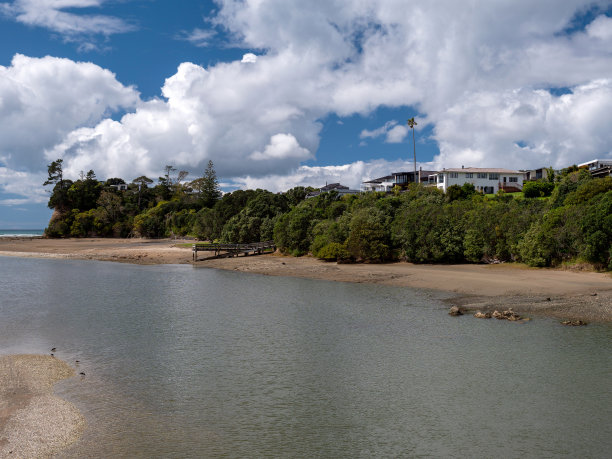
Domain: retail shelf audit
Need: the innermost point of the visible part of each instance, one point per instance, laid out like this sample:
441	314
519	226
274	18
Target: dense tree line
564	219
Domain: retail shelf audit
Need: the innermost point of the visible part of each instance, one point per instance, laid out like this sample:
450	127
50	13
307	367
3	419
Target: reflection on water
184	362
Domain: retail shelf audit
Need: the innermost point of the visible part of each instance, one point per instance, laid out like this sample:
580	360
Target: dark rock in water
547	299
573	323
455	311
53	349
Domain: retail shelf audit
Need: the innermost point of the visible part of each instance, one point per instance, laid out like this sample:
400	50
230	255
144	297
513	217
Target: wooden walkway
233	250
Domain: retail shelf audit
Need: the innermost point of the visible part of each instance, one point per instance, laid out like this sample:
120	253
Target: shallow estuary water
191	362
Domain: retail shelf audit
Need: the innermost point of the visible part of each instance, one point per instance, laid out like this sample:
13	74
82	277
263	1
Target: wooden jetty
233	250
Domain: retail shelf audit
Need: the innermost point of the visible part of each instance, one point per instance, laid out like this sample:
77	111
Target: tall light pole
411	124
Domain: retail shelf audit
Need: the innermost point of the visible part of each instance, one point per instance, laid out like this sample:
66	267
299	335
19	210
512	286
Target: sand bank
552	292
34	422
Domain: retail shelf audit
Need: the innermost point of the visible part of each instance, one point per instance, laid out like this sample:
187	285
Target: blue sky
281	93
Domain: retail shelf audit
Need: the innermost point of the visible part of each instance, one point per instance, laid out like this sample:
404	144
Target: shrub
537	189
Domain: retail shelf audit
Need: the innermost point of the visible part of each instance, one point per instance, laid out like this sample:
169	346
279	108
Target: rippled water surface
189	362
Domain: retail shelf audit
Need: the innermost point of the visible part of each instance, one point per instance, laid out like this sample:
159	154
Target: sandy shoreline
33	421
551	292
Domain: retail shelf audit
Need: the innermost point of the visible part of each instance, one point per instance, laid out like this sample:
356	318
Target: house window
482	175
440	178
469	175
493	176
513	179
454	174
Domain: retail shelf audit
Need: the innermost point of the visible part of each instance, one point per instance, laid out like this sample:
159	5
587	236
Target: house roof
333	186
481	169
602	161
422	172
386	178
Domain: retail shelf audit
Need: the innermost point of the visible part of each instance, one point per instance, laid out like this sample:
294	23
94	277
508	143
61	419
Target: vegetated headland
420	224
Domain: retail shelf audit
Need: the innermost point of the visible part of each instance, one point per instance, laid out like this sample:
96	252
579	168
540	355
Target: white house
380	184
399	179
337	187
484	179
596	164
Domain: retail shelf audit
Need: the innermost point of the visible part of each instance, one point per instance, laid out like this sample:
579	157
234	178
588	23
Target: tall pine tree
207	186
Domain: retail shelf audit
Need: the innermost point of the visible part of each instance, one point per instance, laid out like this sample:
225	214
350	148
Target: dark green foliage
293	230
59	196
587	189
538	189
456	192
596	225
329	238
494	228
84	194
554	238
568	184
204	224
296	195
369	235
428	230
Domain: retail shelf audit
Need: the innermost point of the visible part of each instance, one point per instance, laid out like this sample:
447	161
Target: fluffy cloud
43	100
27	185
282	146
479	73
393	132
519	128
249	58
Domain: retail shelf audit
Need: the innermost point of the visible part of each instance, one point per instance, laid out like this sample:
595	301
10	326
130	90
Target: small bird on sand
82	373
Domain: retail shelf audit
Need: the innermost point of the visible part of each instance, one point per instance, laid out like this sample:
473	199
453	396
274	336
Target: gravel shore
33	422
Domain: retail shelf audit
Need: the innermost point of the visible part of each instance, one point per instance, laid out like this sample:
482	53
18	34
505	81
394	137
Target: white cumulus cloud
249	58
43	99
479	73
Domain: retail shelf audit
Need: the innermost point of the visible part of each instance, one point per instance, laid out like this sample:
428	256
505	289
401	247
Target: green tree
208	186
58	199
369	238
143	182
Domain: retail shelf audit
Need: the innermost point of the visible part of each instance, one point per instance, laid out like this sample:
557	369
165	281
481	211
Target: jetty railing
255	248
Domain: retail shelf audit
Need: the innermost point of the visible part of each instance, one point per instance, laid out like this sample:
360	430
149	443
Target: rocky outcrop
455	311
483	315
509	314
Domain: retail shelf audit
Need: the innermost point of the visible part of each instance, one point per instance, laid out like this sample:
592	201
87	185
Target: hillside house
400	179
599	168
485	180
337	187
385	183
596	164
536	174
403	179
